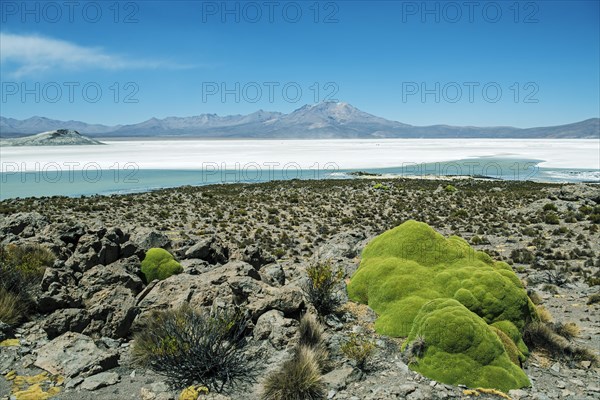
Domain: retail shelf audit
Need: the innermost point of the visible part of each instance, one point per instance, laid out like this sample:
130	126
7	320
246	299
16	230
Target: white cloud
31	54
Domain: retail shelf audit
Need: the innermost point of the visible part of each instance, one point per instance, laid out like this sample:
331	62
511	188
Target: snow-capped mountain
322	120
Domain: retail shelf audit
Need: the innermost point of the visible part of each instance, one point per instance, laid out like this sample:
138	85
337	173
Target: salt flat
344	154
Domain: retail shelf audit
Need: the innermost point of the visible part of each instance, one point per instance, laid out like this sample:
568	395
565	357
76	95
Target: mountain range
328	120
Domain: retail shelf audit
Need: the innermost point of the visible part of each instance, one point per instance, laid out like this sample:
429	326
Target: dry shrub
190	347
298	379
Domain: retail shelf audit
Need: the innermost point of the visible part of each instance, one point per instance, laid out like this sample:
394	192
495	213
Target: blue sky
499	63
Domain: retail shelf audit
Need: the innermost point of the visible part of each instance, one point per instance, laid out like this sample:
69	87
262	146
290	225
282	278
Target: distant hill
60	137
326	120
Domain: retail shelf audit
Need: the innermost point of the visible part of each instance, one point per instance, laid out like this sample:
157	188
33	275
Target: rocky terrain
59	137
250	245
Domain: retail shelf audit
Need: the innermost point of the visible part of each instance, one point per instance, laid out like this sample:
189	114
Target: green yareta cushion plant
443	292
159	264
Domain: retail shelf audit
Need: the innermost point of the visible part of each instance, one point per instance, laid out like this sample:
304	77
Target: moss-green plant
405	270
462	348
159	264
407	266
380	186
450	188
509	346
511	331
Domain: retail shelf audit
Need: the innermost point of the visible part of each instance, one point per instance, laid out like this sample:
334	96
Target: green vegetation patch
460	348
159	264
411	271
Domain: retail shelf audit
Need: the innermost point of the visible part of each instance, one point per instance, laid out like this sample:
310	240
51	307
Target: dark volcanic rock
96	288
288	299
129	249
100	380
147	238
123	272
66	320
256	257
59	289
341	246
109	294
273	326
5	331
23	224
66	233
273	274
112	311
99	247
209	249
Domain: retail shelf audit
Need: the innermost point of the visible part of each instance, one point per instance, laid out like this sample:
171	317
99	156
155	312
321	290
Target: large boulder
123	273
59	289
342	250
194	266
288	299
73	354
197	290
67	233
100	380
62	238
129	249
97	247
236	282
109	295
256	256
209	249
100	301
66	320
273	274
273	326
112	311
341	246
147	239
